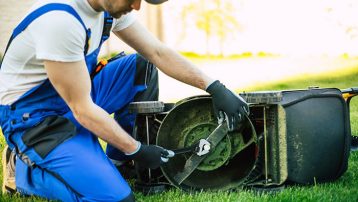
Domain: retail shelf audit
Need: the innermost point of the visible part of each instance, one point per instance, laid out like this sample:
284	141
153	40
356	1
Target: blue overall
77	169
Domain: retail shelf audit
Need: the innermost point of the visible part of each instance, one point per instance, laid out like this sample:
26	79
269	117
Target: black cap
156	1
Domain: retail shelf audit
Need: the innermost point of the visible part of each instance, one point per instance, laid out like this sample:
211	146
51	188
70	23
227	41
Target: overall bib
57	157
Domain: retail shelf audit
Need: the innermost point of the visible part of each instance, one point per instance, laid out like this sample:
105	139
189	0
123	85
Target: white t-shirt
56	36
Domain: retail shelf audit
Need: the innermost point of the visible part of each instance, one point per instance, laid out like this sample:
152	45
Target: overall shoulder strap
107	26
42	10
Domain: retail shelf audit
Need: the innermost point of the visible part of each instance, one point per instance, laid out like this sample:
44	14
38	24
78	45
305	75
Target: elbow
81	113
157	54
78	113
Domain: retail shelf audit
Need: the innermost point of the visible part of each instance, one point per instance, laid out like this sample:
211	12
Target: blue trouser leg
145	74
78	168
81	163
50	186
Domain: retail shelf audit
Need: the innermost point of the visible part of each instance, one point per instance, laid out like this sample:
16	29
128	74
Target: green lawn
344	189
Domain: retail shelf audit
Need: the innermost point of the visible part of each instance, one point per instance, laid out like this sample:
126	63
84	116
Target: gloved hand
227	105
150	156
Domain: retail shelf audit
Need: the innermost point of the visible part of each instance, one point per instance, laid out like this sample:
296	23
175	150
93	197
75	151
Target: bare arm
166	59
75	89
174	65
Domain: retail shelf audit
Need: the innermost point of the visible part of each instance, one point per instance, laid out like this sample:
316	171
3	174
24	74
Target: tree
214	17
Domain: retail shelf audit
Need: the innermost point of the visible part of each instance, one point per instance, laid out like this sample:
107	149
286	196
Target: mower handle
348	94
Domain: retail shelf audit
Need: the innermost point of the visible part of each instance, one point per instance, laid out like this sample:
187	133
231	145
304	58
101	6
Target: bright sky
280	26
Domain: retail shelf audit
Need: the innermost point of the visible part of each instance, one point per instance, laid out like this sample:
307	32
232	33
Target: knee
145	71
146	74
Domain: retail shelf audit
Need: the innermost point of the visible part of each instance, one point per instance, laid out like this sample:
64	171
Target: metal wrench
200	148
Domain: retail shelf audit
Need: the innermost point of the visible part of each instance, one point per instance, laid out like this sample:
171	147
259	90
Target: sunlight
305	27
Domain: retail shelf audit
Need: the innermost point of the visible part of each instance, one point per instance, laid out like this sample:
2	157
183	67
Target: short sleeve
58	36
123	22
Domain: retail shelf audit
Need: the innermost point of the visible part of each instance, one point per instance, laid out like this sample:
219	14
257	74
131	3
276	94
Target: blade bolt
206	147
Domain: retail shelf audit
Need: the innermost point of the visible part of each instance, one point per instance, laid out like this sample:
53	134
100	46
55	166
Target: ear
136	4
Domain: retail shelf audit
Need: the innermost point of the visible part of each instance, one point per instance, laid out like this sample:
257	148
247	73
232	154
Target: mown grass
344	189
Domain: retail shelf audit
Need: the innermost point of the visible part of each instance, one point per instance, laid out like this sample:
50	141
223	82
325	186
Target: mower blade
194	160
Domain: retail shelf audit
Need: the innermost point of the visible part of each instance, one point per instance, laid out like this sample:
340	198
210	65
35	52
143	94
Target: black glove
227	104
151	156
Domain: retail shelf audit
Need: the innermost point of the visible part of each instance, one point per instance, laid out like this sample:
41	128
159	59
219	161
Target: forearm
166	59
178	67
105	127
75	89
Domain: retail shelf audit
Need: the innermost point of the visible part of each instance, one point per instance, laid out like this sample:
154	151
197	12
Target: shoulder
59	36
58	22
124	21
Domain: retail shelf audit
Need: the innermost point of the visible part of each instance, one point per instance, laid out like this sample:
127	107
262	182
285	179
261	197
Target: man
55	103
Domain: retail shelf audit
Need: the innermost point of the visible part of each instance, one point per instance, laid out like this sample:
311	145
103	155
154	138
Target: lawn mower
290	137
